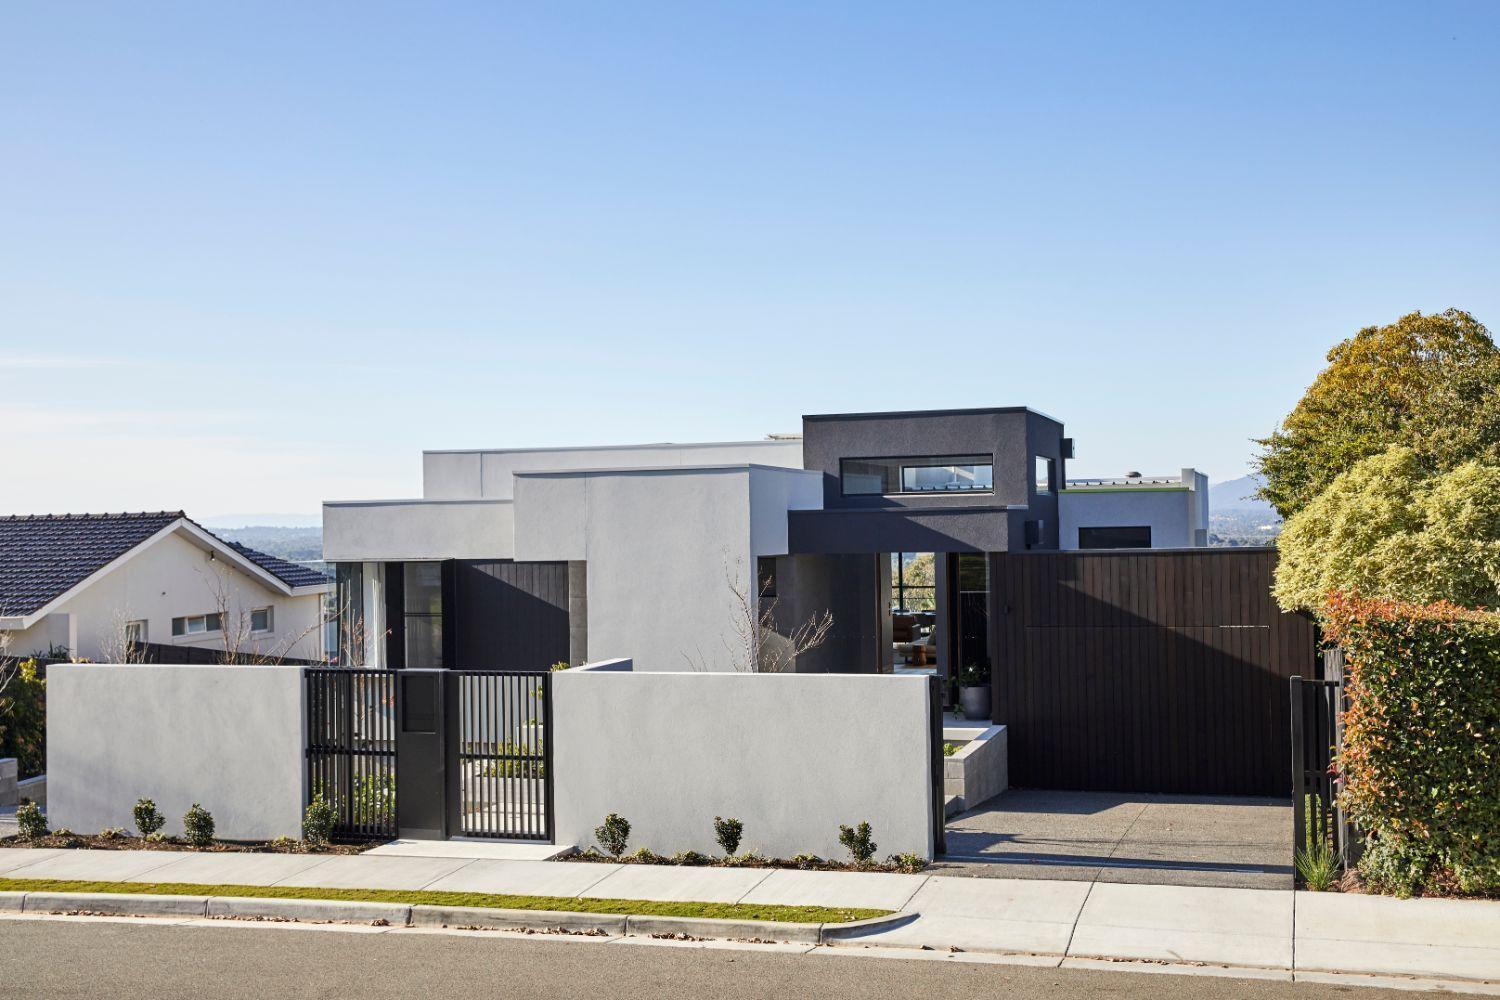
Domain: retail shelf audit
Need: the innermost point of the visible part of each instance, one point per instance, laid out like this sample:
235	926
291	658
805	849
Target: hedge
1421	753
23	718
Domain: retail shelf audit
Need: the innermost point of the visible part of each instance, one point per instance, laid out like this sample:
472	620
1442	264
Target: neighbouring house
519	558
92	586
1136	512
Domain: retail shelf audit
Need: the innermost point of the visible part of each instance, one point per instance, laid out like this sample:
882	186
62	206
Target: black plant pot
975	701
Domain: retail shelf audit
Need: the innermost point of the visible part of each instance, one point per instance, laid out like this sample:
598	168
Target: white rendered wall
229	738
410	530
1170	513
662	548
448	475
790	755
173	577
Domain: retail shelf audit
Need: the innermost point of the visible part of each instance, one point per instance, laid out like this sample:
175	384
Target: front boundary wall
792	756
227	737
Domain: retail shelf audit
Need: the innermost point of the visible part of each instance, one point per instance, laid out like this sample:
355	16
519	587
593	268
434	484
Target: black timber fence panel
351	748
1145	670
1317	736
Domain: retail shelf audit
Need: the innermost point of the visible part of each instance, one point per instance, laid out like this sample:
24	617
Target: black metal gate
351	748
1317	728
501	780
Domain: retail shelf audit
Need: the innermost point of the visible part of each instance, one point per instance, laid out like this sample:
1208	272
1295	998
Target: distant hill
1237	517
217	521
298	545
1237	494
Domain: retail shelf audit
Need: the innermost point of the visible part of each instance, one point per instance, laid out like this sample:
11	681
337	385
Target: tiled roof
42	556
290	573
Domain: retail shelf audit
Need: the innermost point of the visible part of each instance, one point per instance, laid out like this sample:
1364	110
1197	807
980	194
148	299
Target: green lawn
733	911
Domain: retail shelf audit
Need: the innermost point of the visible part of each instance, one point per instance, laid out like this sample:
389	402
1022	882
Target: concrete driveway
1111	837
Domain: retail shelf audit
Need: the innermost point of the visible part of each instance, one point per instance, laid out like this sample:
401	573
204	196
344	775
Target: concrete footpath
1268	933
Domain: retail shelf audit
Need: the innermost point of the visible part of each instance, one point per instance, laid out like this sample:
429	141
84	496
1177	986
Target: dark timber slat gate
351	749
1145	670
501	760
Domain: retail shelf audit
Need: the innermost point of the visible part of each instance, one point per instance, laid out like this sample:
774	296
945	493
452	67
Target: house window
765	571
1115	537
423	611
1043	467
197	624
913	583
135	633
260	620
934	474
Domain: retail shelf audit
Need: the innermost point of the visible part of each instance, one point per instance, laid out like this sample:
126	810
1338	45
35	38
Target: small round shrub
198	826
317	822
857	842
148	819
910	863
614	834
31	821
728	833
112	833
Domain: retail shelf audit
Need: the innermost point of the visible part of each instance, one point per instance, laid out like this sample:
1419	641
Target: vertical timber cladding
510	615
1145	670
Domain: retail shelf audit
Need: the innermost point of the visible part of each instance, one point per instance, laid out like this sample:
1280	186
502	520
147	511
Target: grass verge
416	897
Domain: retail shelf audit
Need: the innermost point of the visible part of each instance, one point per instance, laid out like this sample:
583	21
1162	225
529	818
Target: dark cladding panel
510	615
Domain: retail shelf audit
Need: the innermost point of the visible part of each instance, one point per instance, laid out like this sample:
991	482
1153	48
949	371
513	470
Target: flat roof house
520	558
89	585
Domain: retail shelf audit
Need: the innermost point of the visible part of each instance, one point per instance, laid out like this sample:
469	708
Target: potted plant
974	691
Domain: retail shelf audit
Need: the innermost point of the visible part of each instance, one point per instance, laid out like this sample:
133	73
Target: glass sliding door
422	613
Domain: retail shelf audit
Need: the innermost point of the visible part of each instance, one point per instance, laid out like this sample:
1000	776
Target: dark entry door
1145	670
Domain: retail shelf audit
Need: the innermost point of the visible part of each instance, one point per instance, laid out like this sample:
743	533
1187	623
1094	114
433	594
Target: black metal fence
351	748
504	757
1317	734
935	745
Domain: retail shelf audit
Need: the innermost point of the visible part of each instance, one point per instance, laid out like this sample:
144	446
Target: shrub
858	843
318	820
910	863
1318	866
949	749
23	718
112	833
1421	741
31	821
807	861
614	834
147	819
646	856
198	826
727	832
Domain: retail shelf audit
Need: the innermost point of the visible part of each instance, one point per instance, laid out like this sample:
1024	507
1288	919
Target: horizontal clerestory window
929	474
197	624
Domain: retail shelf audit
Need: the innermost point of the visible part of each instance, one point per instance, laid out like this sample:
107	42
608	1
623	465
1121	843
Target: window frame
137	631
181	625
1051	487
270	611
904	462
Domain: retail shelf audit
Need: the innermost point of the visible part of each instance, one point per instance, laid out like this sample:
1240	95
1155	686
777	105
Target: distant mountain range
263	521
299	545
1237	517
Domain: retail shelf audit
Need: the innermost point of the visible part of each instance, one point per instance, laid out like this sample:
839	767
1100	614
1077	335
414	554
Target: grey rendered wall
408	530
229	738
448	475
790	755
1170	513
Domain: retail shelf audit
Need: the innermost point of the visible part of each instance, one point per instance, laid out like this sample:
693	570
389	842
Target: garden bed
121	842
808	863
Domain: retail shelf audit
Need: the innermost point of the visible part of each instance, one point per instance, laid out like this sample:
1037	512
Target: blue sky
254	256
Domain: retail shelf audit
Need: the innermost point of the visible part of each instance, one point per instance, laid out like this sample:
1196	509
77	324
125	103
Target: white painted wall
409	530
489	473
169	578
229	738
661	547
1177	515
790	755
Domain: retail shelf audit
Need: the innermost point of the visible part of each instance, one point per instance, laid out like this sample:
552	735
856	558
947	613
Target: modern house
662	553
1136	512
90	585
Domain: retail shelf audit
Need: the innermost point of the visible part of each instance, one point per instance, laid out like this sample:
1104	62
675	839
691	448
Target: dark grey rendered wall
853	588
1012	436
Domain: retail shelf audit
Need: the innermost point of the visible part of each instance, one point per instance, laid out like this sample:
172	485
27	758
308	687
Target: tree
1431	383
757	645
1386	528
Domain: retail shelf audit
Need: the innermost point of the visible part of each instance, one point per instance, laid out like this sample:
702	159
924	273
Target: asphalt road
122	961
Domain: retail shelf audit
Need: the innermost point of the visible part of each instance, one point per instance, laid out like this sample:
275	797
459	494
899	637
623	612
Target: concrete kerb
402	915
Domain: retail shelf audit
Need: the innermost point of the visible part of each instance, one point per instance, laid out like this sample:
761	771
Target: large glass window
933	474
1115	537
423	610
346	646
1044	483
913	587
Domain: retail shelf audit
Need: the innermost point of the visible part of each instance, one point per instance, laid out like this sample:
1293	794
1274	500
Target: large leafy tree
1386	528
1430	383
